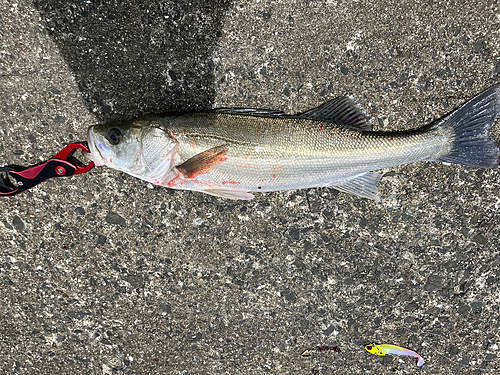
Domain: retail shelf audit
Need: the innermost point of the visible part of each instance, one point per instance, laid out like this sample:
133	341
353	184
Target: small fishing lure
308	352
393	349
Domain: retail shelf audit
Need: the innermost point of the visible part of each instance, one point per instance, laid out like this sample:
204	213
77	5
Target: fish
393	349
234	152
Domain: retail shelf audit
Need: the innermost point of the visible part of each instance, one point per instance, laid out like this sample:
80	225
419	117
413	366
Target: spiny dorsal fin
251	111
343	111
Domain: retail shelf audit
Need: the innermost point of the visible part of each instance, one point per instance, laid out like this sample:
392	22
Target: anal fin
364	185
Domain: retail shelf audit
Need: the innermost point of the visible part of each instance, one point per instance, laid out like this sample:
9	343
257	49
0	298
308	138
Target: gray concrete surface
102	273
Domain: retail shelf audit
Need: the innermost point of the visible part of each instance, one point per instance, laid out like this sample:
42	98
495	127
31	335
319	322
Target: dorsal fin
343	111
251	111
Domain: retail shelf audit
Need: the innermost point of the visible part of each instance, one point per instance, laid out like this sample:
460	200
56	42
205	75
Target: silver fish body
232	153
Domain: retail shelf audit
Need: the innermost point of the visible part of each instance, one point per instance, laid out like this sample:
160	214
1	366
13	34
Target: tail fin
471	125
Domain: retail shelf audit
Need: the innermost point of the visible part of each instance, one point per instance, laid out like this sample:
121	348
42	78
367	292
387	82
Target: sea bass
232	153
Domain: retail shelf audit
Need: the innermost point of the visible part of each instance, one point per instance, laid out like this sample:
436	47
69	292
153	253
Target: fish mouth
95	148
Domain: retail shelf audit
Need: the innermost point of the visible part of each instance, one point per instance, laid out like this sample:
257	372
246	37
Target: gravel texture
105	274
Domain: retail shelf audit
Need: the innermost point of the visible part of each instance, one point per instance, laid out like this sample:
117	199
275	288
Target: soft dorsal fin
343	111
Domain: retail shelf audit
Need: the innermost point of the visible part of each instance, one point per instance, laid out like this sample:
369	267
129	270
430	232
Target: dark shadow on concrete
132	58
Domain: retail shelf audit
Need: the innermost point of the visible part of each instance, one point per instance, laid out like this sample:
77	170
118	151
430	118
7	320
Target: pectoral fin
203	162
364	185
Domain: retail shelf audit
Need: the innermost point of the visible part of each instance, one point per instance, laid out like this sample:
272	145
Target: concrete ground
103	273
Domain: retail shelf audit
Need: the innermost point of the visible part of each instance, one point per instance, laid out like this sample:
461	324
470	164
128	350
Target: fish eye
369	347
115	135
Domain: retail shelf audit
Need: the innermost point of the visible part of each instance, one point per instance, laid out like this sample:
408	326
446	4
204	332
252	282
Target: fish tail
468	129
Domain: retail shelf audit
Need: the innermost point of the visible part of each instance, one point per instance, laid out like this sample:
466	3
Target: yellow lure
393	349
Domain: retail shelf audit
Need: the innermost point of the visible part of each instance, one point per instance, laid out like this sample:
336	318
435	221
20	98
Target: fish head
373	349
134	147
